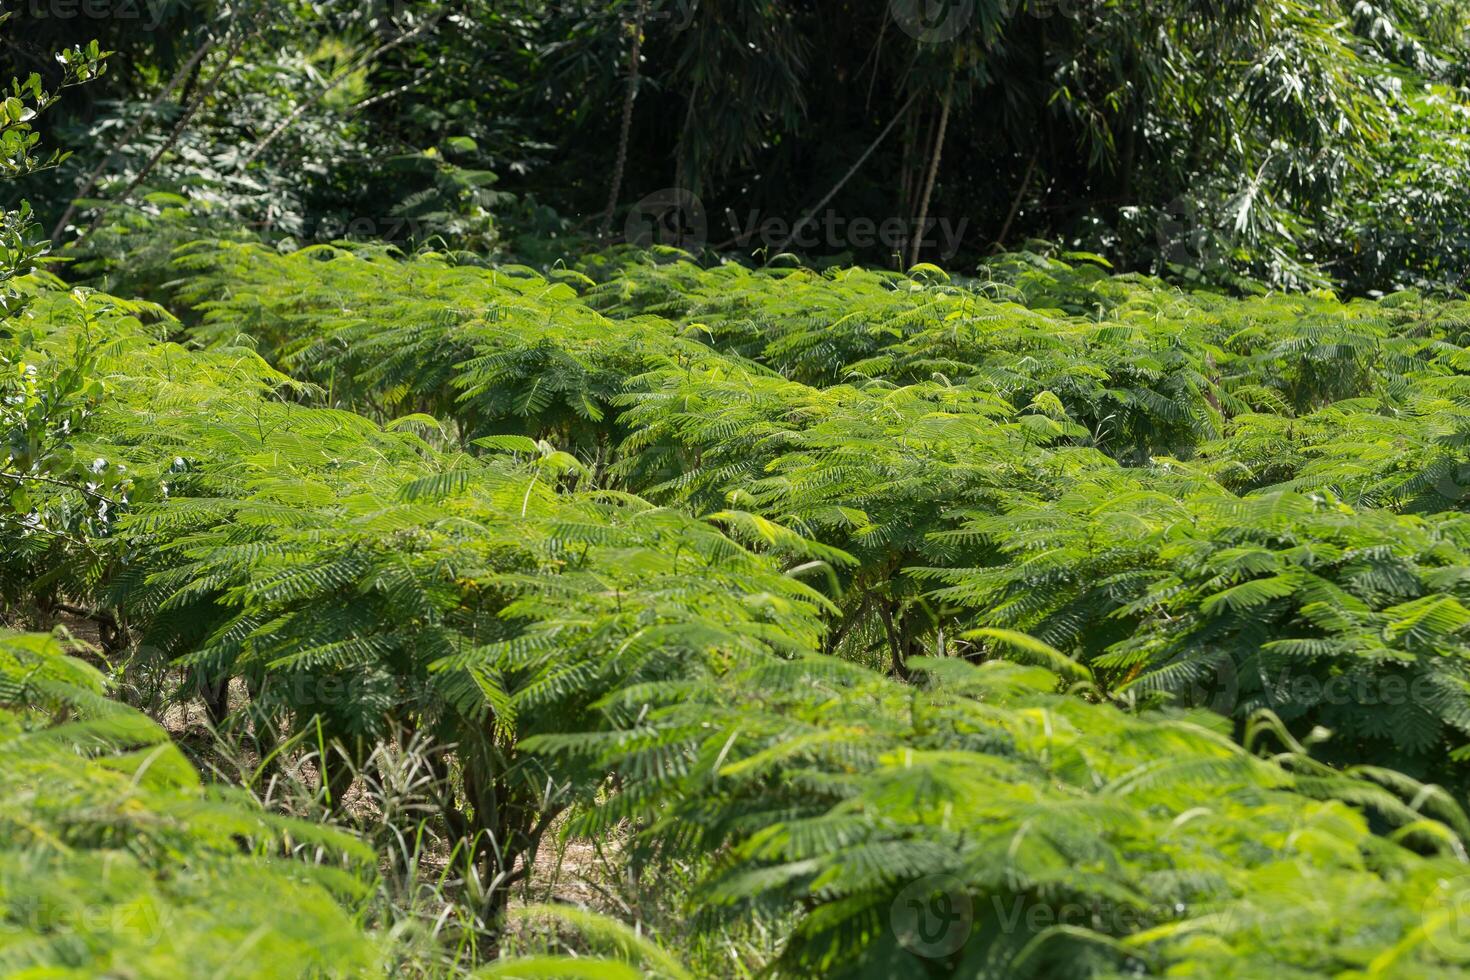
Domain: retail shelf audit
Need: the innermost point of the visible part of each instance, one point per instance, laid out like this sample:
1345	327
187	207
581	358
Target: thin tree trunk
342	76
216	697
849	622
916	173
92	178
918	239
877	61
681	173
906	152
1005	229
187	92
796	228
385	96
615	186
898	666
921	137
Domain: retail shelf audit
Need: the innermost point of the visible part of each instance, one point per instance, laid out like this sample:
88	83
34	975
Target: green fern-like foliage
906	423
746	560
115	860
497	351
1345	618
361	580
980	824
1212	418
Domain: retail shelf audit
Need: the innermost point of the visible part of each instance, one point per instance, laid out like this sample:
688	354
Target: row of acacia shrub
843	590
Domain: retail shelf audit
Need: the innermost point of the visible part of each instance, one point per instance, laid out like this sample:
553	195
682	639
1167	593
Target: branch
918	241
796	228
531	847
357	65
92	494
385	96
96	615
616	184
181	125
92	178
847	624
1016	204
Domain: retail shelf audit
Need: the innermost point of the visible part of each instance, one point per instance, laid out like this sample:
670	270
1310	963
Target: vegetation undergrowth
1130	621
469	590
